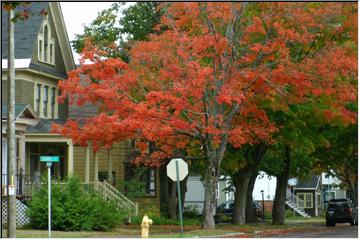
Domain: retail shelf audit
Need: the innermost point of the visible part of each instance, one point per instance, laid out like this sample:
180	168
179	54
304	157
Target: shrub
148	208
73	208
191	211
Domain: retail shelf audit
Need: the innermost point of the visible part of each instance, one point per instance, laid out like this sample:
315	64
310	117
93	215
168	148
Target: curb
221	236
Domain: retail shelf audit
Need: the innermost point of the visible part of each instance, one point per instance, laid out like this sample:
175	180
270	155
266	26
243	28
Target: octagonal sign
171	169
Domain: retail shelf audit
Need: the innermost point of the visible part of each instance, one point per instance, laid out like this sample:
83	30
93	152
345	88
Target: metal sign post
177	170
49	160
179	197
49	164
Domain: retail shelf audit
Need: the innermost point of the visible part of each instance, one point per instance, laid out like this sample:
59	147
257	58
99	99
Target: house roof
25	32
309	183
44	125
19	109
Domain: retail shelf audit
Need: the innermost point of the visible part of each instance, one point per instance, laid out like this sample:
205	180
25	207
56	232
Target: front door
38	168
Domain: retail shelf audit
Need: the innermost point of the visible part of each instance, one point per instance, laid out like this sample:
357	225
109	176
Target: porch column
70	158
110	180
87	163
96	167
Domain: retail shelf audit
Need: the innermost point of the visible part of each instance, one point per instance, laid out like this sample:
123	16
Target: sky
76	14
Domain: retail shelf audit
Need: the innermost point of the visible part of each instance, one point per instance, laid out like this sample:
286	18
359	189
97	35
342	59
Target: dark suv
341	211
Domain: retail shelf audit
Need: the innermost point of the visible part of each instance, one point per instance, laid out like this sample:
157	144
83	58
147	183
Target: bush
73	208
191	211
148	208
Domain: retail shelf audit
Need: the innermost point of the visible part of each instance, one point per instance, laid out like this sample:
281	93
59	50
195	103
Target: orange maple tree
199	83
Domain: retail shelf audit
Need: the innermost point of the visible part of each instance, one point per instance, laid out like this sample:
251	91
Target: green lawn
173	231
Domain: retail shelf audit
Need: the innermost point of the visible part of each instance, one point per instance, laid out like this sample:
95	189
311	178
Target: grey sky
76	14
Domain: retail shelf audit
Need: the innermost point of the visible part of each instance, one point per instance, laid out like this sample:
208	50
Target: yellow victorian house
43	56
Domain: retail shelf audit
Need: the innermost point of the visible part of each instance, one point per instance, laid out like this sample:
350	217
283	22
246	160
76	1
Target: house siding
58	69
310	211
84	111
24	92
63	110
120	153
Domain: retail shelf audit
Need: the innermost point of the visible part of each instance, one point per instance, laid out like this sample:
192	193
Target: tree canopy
200	82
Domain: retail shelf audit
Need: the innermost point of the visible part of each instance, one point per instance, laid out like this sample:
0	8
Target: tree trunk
278	212
354	192
250	216
172	205
241	183
210	185
164	190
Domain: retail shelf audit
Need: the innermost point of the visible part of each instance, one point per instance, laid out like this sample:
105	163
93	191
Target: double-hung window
37	98
53	96
45	103
305	200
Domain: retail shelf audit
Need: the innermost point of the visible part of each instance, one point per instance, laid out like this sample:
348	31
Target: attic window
46	50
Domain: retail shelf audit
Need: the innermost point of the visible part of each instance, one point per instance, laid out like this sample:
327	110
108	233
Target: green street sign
49	158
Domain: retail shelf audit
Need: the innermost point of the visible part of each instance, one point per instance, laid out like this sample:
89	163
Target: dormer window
46	50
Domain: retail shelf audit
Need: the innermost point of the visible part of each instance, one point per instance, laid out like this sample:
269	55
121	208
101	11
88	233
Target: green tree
120	25
340	157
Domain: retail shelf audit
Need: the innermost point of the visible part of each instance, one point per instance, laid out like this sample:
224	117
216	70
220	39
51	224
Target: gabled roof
25	32
44	125
308	183
24	114
60	29
21	110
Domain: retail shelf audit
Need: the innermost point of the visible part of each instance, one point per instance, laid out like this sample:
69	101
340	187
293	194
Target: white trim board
18	63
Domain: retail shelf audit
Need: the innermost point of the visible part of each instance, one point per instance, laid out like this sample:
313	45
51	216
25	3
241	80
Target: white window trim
51	41
304	194
41	102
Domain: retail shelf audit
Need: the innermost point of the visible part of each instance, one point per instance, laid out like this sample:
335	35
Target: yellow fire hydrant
145	225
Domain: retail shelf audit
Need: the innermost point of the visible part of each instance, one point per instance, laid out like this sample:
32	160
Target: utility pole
10	131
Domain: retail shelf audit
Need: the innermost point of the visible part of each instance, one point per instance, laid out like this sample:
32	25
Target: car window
343	205
332	205
338	205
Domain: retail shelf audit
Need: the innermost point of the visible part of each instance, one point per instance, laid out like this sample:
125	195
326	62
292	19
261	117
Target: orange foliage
202	80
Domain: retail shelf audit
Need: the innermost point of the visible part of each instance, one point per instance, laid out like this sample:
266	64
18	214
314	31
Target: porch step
296	208
108	192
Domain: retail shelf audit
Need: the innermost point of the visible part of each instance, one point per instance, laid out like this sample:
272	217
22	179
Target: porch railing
295	199
109	192
24	184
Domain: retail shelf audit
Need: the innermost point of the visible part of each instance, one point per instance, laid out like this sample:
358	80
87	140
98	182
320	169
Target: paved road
339	231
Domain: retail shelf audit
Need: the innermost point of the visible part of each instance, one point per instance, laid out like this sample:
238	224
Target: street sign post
177	170
49	160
